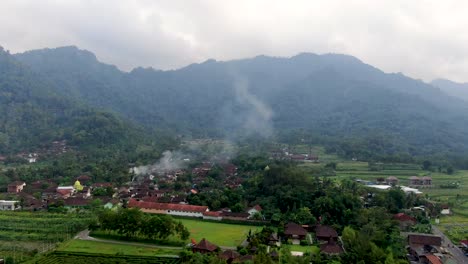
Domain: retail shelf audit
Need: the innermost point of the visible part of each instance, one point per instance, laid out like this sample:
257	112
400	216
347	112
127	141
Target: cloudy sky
423	39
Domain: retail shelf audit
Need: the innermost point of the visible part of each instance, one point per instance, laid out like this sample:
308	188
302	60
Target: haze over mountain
455	89
330	97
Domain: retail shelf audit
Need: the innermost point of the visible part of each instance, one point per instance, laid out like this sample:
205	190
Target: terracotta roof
76	201
294	229
423	239
167	206
325	231
64	191
16	183
214	214
205	245
83	178
433	259
403	217
257	207
464	242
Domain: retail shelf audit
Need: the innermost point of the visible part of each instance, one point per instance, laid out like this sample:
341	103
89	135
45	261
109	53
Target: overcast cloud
423	39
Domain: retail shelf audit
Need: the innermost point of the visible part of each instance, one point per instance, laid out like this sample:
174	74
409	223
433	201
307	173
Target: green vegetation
134	224
61	257
24	234
139	249
229	235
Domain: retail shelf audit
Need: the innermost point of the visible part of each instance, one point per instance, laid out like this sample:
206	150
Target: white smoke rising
170	161
257	120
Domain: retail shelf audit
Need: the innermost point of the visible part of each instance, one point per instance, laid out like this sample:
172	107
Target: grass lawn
110	248
221	234
310	249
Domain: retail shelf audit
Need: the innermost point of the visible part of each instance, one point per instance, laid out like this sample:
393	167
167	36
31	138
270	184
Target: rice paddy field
24	234
454	225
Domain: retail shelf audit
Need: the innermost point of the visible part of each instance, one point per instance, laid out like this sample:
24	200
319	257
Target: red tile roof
167	206
404	217
433	259
16	183
423	239
214	214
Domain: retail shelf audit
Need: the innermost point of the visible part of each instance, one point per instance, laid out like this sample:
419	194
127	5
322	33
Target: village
171	192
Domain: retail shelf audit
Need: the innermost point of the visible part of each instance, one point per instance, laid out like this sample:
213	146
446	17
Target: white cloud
424	39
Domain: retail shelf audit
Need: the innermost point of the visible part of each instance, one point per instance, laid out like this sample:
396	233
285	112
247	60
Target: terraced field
23	234
60	257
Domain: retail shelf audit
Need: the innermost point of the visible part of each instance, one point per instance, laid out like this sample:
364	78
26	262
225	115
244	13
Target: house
331	247
167	208
8	205
295	232
415	180
229	255
273	240
392	180
16	186
212	216
84	179
405	221
426	181
235	216
423	244
253	210
324	233
445	209
430	259
65	191
424	239
204	246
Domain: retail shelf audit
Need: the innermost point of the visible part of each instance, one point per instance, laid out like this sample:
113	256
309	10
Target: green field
228	235
24	234
76	245
455	225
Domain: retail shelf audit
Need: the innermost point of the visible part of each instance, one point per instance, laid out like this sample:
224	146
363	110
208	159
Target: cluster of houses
286	154
325	236
56	148
40	195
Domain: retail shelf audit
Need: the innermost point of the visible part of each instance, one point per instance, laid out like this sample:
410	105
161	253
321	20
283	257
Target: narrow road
84	235
456	253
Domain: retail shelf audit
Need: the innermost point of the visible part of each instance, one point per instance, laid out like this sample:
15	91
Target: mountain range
331	98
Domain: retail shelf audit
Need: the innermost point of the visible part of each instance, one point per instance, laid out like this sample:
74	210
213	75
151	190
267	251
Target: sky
422	39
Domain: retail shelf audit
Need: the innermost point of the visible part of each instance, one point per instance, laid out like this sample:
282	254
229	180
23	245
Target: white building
8	205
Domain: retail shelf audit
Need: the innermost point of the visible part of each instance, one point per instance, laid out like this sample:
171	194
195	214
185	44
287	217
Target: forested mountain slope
32	114
333	97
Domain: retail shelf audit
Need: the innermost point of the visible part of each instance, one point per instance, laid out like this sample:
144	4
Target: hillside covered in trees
330	99
33	114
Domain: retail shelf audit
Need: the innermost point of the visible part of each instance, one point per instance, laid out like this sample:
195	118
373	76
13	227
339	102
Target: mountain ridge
251	96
